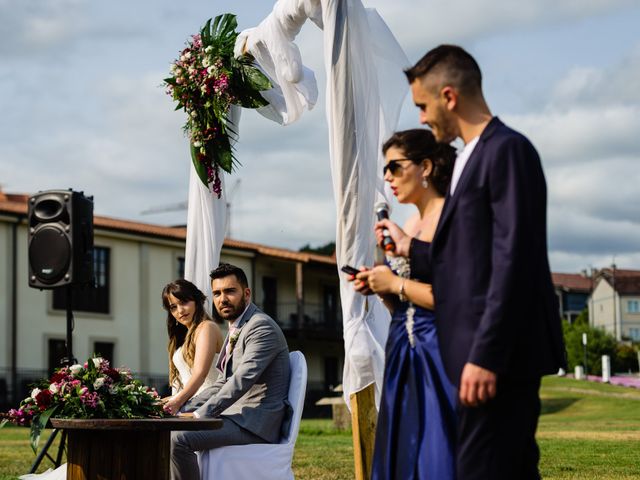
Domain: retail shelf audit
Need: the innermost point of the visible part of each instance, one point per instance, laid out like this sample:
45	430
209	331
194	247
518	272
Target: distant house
573	292
615	303
123	318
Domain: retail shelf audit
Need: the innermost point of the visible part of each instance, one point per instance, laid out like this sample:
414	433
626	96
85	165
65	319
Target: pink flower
90	399
221	84
20	416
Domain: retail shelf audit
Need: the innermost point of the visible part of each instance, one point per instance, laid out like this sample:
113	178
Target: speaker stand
66	361
69	359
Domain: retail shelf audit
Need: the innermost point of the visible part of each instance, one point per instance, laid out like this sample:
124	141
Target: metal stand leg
61	448
45	451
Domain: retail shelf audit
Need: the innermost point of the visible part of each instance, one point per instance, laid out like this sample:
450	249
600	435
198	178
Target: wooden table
123	449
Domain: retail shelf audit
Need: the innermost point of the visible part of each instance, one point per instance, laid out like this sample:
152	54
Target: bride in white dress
194	343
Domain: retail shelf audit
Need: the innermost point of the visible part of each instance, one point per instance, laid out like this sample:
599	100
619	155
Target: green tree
327	249
599	343
626	358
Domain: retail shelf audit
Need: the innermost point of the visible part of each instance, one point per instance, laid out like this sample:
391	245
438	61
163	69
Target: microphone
382	212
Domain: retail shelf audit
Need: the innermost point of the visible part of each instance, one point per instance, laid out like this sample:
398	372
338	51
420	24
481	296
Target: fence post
606	368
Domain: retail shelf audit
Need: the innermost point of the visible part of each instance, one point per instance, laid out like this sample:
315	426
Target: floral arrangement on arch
206	79
92	390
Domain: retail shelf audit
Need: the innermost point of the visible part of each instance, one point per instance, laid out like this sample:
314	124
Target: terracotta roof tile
571	281
620	272
628	285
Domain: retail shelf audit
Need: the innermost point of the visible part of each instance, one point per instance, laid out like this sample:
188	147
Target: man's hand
477	385
401	239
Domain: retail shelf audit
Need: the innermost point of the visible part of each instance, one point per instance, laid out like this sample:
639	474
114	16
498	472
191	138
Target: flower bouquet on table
206	79
92	390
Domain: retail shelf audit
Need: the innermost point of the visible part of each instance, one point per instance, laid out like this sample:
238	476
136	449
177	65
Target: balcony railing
315	319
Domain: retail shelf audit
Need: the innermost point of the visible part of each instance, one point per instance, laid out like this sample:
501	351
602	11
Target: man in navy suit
496	310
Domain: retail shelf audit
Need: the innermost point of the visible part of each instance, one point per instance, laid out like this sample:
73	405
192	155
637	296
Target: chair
262	460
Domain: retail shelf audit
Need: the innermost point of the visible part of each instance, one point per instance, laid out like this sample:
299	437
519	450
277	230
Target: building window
104	350
85	298
330	306
331	379
633	306
57	352
270	299
634	334
180	267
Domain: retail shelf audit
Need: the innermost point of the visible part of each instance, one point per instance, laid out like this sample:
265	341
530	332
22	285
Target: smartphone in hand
349	270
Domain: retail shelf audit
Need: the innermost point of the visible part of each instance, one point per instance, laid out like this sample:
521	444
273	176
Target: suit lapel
451	200
247	315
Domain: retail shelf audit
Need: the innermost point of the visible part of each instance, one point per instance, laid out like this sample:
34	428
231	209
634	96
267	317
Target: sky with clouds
83	107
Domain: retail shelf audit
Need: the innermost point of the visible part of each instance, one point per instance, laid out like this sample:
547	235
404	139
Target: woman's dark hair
180	335
418	144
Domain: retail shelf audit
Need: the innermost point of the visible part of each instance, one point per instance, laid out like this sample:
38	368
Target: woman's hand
401	239
383	281
359	281
172	405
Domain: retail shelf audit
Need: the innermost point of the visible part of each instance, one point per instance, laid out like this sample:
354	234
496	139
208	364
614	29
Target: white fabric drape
206	225
365	90
271	44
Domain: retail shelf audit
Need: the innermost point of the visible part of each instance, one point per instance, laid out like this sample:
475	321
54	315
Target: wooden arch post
363	420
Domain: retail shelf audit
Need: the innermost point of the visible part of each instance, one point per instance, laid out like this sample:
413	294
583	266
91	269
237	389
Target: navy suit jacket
495	302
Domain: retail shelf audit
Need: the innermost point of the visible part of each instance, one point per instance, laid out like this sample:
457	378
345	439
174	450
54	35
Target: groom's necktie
229	348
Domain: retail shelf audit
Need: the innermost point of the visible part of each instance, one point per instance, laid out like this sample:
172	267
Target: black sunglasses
394	165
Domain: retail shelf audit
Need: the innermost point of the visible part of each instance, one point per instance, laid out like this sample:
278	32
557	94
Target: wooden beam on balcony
300	296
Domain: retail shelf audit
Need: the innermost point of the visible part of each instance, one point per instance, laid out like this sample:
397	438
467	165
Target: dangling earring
425	183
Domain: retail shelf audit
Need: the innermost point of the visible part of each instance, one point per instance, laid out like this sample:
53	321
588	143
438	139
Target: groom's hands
477	385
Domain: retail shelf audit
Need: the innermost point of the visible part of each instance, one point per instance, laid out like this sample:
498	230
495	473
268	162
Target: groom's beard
234	312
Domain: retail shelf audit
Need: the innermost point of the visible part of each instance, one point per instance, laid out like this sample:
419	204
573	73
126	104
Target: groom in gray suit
251	390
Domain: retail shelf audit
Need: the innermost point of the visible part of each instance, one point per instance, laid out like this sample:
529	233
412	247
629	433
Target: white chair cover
261	460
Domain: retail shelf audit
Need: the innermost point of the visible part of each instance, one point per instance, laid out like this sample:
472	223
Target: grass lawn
587	431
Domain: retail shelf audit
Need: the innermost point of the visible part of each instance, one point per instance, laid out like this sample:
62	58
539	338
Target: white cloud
587	136
578	134
578	233
43	25
420	25
85	110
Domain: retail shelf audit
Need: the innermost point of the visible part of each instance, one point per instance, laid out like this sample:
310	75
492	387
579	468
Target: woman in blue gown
415	433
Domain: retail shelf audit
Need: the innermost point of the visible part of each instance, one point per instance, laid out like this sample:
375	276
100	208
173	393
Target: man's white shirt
461	161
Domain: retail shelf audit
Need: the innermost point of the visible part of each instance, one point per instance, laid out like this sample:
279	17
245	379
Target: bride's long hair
179	335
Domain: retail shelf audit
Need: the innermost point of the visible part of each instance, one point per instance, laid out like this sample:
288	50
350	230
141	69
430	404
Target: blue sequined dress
415	434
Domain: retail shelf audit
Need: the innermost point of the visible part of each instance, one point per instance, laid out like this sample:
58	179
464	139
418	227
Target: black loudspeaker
60	239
